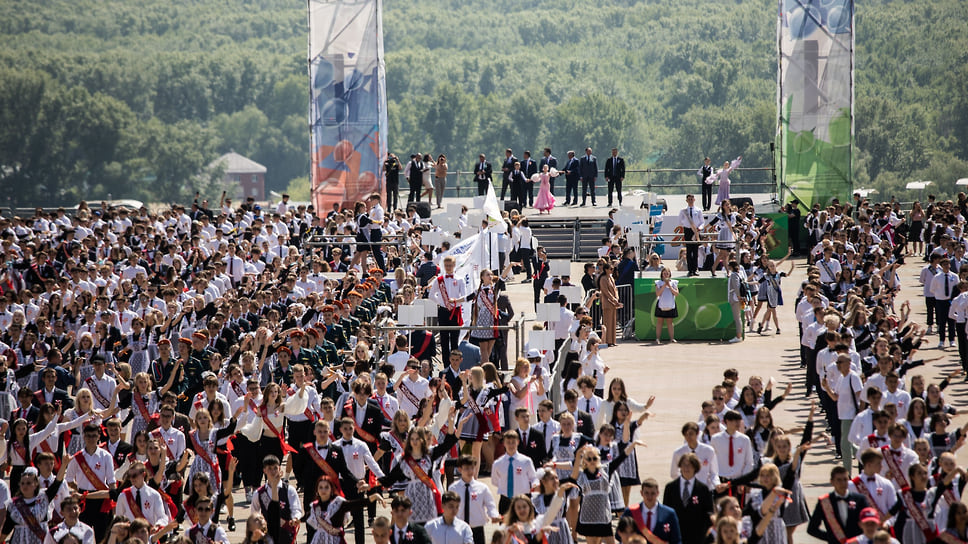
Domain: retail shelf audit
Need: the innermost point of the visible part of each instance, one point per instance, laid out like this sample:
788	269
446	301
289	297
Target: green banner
704	312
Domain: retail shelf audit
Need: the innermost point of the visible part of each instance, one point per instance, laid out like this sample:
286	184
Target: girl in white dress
266	427
328	512
203	442
28	510
545	498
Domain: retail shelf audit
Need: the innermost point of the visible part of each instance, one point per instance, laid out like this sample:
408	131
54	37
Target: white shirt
102	465
455	289
105	386
220	535
441	533
358	457
398	360
524	476
261	499
905	457
691	215
548	429
846	387
829	268
590	405
482	507
742	454
709	464
927	274
563	325
152	506
880	489
173	438
938	285
901	398
81	530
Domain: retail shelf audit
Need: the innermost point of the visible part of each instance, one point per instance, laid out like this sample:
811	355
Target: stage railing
516	325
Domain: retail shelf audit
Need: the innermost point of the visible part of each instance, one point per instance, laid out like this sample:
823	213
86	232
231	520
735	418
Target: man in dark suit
427	270
119	449
704	172
550	161
507	167
691	500
615	175
415	177
530	167
518	182
373	420
451	374
391	169
321	457
837	513
26	409
402	531
50	393
588	167
583	420
482	175
657	518
532	442
572	175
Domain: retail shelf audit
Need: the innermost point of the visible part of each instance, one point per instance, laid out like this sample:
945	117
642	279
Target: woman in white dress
724	220
666	291
526	388
203	442
425	177
84	409
420	467
28	511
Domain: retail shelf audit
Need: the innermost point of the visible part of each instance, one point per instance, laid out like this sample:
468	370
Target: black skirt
666	313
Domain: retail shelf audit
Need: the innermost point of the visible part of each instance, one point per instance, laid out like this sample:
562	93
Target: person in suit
415	177
325	461
572	175
532	442
584	423
518	182
837	513
550	161
402	530
588	168
391	169
451	374
483	174
530	167
660	519
50	393
704	173
506	168
119	449
691	500
371	422
615	175
26	409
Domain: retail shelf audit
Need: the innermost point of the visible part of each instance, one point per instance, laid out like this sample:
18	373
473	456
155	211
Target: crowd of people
156	362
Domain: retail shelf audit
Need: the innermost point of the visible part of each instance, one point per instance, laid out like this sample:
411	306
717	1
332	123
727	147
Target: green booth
704	311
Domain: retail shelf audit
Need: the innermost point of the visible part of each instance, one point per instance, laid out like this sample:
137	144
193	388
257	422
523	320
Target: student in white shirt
512	473
847	391
477	503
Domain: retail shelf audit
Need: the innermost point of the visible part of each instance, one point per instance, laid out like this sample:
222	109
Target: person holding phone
666	291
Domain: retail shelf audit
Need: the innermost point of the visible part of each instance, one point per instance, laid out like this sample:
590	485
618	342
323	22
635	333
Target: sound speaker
740	201
423	209
510	205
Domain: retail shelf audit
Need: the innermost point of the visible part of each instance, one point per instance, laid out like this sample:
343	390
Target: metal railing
516	325
624	315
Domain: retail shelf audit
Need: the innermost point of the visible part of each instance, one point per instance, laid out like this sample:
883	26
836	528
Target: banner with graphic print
815	132
348	105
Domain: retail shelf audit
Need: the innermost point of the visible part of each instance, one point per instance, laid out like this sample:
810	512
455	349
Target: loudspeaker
740	201
423	209
510	205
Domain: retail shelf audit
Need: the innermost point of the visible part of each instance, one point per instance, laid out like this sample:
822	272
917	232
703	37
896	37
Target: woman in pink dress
545	200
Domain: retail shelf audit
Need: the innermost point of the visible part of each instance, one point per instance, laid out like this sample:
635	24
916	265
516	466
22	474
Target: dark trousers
448	339
692	250
377	251
587	186
525	254
707	196
616	184
93	516
571	191
962	344
250	462
830	409
813	379
519	192
929	307
504	188
941	308
359	523
503	504
528	191
393	194
478	533
300	432
415	187
482	187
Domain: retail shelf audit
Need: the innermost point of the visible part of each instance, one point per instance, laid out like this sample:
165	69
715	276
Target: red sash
139	402
157	434
827	508
915	512
286	448
92	385
212	463
862	487
425	344
238	389
383	407
107	505
324	466
29	518
873	441
894	467
639	518
133	506
350	409
22	451
402	388
425	479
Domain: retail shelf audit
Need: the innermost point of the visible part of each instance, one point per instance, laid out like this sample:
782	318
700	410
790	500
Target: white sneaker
735	340
951	343
930	330
940	345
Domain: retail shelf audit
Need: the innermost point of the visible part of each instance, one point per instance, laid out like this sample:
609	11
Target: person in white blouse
666	291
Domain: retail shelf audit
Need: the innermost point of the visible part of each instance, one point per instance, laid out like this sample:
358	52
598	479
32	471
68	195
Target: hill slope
130	97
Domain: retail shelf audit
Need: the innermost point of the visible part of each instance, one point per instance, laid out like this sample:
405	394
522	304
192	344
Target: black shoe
231	524
759	328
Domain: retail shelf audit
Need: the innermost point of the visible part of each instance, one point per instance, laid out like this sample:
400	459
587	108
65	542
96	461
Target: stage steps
575	238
